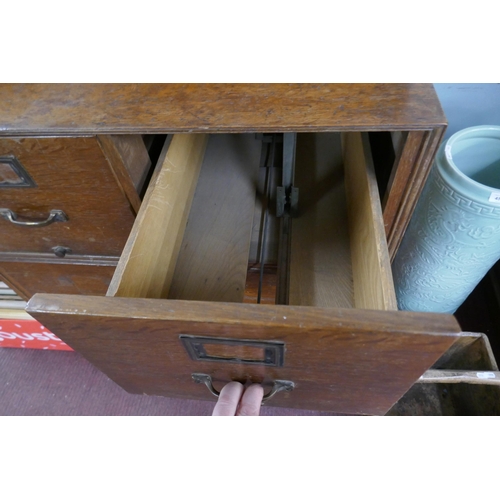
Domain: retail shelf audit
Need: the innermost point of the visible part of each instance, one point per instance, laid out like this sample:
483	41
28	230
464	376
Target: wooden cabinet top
80	109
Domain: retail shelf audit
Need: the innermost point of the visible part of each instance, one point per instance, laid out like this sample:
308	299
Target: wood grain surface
348	361
407	181
168	108
213	259
472	352
404	165
147	264
371	266
73	175
268	285
28	278
320	262
135	156
129	161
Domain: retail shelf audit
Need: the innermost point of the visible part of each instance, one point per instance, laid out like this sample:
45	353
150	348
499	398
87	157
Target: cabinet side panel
133	150
121	157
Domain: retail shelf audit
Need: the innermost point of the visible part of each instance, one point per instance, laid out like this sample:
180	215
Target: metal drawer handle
54	216
278	386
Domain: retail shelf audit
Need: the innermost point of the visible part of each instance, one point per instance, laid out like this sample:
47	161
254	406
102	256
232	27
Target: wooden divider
147	264
371	269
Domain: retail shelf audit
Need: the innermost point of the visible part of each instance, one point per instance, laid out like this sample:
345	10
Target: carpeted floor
37	382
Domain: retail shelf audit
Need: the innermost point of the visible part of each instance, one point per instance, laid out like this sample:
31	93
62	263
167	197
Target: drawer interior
208	224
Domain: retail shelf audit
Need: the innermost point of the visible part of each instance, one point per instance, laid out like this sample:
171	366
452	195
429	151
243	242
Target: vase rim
449	165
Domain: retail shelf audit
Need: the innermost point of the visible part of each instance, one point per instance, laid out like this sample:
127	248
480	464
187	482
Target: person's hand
235	400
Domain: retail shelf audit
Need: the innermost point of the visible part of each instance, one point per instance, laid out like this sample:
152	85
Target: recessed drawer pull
278	386
54	216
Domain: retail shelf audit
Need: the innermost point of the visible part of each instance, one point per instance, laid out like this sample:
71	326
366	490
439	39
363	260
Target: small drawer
175	312
28	274
77	178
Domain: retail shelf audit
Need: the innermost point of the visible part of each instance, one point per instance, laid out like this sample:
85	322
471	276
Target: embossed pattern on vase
451	243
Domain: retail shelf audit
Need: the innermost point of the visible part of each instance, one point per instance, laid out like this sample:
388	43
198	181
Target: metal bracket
287	196
267	353
287	203
268	137
13	174
278	386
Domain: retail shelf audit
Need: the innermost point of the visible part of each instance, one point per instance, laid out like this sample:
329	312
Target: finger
228	400
251	401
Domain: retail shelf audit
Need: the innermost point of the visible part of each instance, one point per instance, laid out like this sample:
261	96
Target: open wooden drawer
175	305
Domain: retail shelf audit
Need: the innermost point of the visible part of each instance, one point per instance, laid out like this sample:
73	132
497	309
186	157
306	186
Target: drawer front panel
68	174
28	278
347	361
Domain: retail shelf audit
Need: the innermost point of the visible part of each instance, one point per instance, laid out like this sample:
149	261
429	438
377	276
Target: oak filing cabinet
174	313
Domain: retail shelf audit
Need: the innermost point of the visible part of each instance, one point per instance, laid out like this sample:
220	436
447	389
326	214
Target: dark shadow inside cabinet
481	310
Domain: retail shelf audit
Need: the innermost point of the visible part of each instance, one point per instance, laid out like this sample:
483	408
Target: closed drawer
28	274
73	175
175	305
